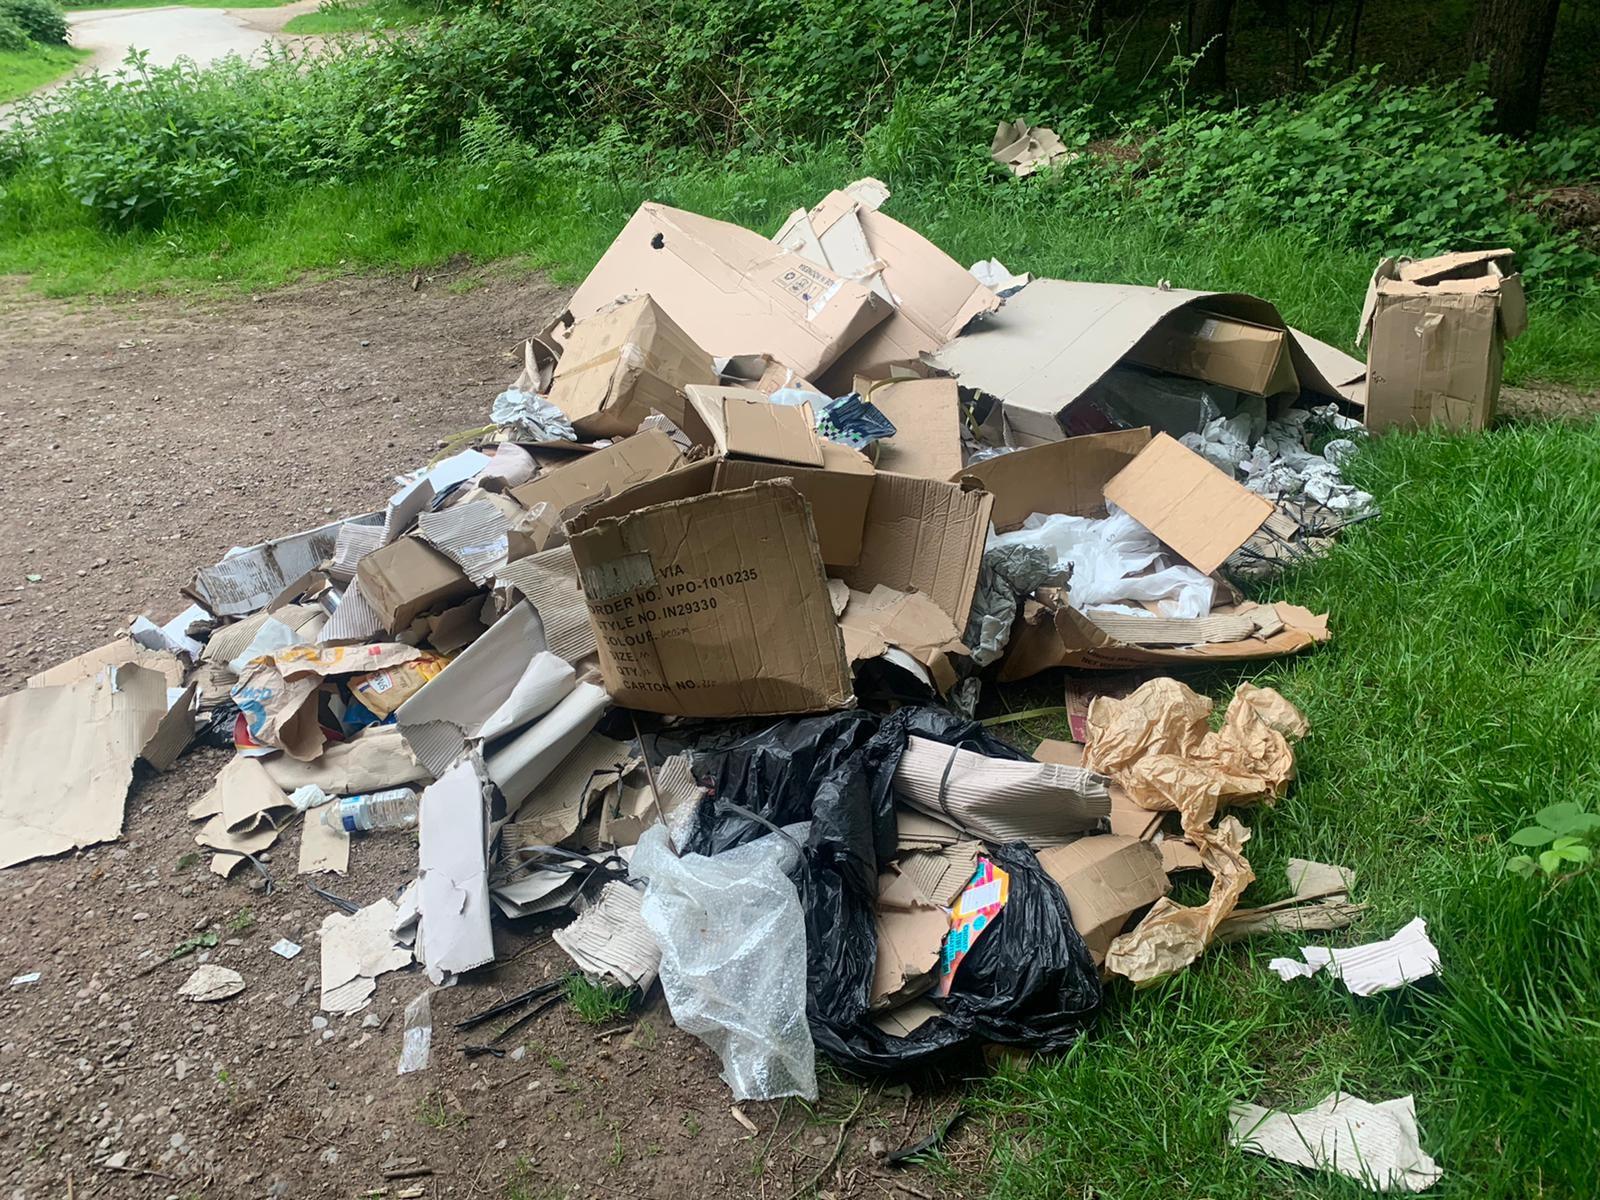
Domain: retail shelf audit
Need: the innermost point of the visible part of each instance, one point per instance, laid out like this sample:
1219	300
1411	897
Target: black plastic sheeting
1027	981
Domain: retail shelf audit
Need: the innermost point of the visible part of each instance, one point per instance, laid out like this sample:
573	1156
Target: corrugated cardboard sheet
606	472
1105	879
744	423
714	605
1058	477
926	415
248	580
549	581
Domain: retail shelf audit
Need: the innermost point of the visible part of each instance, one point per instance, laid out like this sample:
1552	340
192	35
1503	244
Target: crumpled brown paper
1157	744
277	692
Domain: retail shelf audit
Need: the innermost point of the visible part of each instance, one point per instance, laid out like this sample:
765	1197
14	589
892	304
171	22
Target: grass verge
23	71
1456	699
338	16
563	221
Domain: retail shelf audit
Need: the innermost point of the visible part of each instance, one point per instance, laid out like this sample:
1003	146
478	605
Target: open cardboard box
1201	514
1054	339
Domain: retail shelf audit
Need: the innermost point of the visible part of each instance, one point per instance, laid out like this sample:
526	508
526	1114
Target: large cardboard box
933	297
1054	339
1439	328
622	363
730	290
607	471
713	604
1229	351
407	578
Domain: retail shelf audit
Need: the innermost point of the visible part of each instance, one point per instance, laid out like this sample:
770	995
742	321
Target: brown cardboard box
606	472
1055	338
1229	351
1439	328
732	291
933	297
838	493
407	578
925	536
711	604
1106	879
746	424
926	415
623	362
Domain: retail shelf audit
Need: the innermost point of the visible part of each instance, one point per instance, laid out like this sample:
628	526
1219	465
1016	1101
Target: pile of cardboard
696	549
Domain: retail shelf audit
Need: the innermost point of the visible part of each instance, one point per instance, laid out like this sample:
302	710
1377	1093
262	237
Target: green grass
597	1003
341	17
1458	697
563	220
22	71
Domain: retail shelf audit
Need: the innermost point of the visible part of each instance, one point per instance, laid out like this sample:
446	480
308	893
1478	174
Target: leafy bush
42	20
12	35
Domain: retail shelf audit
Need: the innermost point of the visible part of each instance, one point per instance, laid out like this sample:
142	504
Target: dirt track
145	439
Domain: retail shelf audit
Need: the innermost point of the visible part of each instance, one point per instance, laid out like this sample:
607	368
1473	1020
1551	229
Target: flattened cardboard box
732	291
622	363
1055	338
713	605
744	423
1439	328
607	471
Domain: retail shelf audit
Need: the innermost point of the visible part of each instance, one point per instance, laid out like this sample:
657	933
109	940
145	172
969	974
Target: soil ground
143	440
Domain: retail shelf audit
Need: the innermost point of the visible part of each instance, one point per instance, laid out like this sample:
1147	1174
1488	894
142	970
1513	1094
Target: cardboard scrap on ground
210	983
67	755
1320	901
1379	1145
376	758
875	623
113	654
243	813
324	848
610	941
1024	149
1158	746
355	950
1375	967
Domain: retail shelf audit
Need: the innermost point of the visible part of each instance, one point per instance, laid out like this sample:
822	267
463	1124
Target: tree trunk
1208	32
1512	37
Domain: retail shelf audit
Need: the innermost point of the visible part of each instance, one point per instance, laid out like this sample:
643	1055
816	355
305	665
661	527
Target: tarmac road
201	34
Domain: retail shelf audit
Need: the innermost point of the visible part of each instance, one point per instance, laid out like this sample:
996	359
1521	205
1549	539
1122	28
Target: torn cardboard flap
623	362
376	758
606	472
873	622
66	755
1023	149
1106	880
1127	818
1186	502
909	940
1051	633
713	605
921	535
731	290
926	415
91	664
356	948
933	296
1055	338
549	582
744	423
1379	1145
249	578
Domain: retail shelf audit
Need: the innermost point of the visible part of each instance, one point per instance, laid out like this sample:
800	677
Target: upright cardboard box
624	362
1439	328
712	604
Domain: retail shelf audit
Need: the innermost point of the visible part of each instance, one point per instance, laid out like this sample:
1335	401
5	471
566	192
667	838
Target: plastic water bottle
394	808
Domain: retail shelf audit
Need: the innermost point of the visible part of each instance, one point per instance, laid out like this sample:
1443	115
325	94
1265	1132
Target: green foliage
12	35
200	941
1564	830
597	1003
43	21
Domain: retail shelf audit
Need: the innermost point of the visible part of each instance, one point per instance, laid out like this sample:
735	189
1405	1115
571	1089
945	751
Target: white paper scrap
354	950
1372	968
284	948
1377	1144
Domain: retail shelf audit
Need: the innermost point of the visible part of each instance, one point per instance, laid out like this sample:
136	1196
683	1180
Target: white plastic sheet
1107	556
733	957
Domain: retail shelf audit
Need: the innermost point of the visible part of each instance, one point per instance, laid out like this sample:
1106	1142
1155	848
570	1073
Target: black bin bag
1027	981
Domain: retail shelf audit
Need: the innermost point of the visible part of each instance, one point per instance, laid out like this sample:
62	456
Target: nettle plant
1566	832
